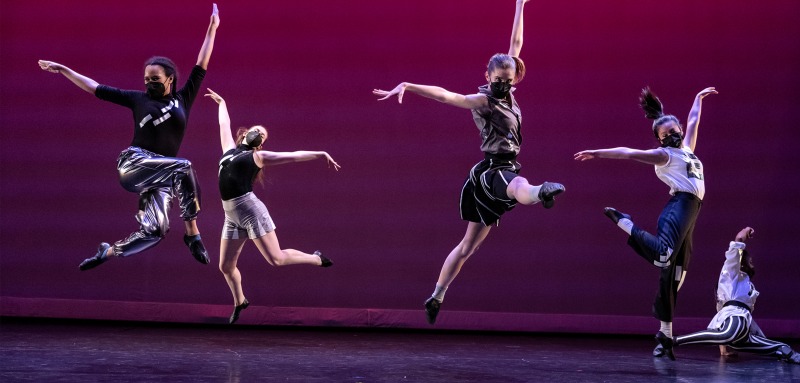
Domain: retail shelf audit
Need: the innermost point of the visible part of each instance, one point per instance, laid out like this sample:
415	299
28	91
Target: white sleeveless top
683	172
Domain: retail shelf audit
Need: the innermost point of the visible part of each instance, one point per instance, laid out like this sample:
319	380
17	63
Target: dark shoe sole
236	310
548	192
432	309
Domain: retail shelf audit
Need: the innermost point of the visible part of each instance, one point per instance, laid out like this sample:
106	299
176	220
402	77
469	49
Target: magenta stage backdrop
390	216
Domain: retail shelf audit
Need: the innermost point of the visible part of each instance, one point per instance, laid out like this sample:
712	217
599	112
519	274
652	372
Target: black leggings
735	333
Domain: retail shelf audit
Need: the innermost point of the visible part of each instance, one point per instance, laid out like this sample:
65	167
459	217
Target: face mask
155	89
500	89
674	140
252	139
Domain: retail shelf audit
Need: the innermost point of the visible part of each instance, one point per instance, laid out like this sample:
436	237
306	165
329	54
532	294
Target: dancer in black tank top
245	215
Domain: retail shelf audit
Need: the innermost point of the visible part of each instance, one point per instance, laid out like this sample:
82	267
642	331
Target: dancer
149	166
677	166
733	326
493	185
245	215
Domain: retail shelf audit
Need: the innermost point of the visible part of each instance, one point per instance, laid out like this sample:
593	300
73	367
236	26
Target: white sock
626	225
535	193
666	328
438	293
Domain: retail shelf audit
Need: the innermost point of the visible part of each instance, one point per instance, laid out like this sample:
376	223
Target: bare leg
271	250
191	227
229	250
527	194
472	240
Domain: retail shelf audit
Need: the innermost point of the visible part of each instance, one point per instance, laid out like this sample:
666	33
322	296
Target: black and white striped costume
483	197
733	325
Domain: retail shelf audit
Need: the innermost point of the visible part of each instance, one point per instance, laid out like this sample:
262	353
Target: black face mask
500	89
252	139
155	89
674	140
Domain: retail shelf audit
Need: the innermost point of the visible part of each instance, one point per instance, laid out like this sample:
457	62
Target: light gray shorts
246	215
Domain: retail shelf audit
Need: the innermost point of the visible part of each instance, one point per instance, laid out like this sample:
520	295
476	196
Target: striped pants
736	333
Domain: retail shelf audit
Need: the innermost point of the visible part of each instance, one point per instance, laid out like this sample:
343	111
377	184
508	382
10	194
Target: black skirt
484	198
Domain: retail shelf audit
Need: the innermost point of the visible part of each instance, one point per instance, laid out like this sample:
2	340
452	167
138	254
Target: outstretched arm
516	31
225	136
472	101
264	157
208	43
652	156
693	122
78	79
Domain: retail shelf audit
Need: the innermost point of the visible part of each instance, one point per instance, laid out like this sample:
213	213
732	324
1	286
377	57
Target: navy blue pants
670	249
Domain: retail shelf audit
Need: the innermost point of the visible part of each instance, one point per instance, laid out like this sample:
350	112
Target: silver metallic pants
156	179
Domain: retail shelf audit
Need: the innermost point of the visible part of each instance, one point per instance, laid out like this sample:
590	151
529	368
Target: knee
466	249
227	268
277	259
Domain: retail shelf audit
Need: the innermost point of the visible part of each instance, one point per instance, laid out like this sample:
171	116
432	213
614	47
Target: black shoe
236	310
196	247
548	192
666	343
98	258
325	261
615	215
432	309
659	351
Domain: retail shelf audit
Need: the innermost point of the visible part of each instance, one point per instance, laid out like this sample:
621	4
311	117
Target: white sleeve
730	271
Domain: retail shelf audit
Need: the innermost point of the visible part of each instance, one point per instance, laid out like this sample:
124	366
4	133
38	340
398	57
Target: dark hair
169	68
654	110
745	265
504	61
240	133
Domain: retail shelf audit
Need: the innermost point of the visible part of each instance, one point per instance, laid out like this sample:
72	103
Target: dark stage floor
70	351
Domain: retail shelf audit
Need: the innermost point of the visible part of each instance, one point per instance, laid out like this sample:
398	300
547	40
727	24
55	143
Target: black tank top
237	170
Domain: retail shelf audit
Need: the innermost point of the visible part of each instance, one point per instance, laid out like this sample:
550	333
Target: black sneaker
97	259
615	215
666	343
236	310
548	192
325	261
432	309
196	247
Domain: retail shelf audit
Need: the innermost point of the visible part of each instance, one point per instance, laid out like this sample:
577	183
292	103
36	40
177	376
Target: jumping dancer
245	215
677	166
493	185
149	166
733	326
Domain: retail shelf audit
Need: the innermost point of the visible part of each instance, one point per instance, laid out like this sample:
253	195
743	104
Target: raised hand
744	234
214	16
50	66
214	96
398	90
707	91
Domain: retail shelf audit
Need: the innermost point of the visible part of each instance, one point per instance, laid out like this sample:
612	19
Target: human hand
214	96
50	66
214	16
398	90
706	92
331	161
585	155
744	234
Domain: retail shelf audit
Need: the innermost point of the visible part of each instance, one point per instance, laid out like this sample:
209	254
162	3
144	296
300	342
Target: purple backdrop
390	216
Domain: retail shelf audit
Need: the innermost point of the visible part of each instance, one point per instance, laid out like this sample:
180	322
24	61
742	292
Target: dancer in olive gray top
493	186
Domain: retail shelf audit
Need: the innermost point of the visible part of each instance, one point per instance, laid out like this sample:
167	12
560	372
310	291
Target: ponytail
654	110
519	74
